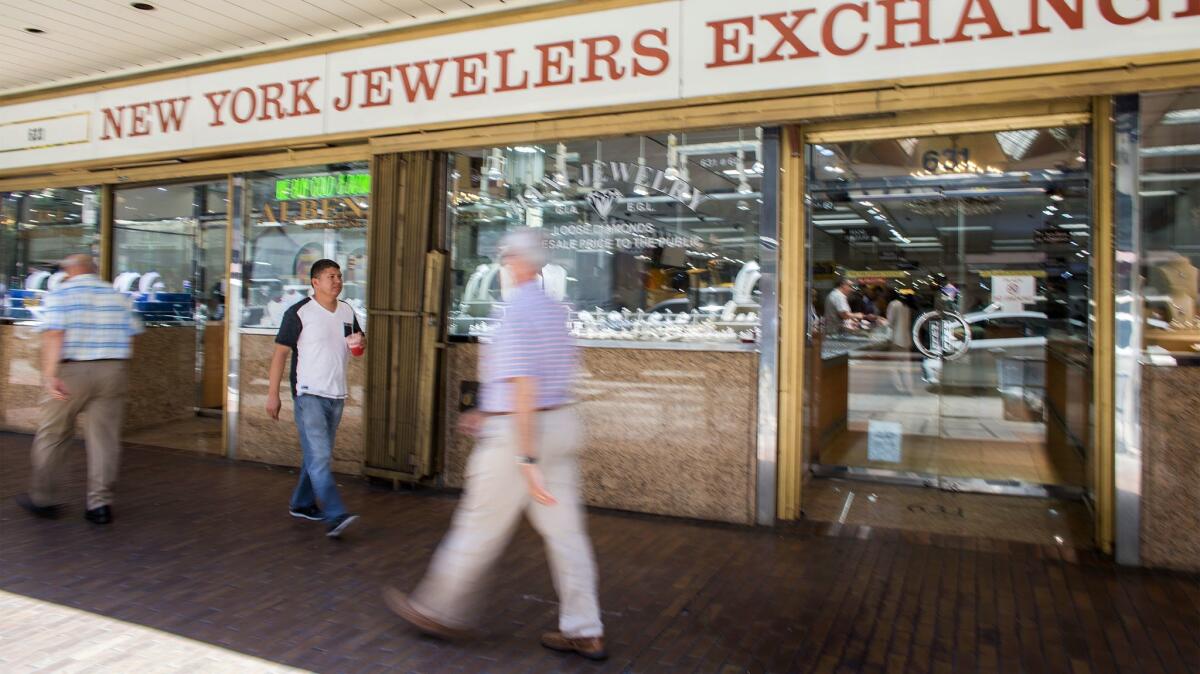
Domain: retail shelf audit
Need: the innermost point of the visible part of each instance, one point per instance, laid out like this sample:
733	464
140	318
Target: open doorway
170	255
951	346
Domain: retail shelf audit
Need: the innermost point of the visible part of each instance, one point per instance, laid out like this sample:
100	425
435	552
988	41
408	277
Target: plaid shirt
98	321
532	340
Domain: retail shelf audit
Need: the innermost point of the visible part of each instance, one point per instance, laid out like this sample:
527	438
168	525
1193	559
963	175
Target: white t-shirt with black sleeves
317	338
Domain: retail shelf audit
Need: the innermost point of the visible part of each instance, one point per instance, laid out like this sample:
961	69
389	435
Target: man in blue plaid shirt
87	330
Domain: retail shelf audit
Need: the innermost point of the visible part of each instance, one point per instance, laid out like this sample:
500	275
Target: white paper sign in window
884	441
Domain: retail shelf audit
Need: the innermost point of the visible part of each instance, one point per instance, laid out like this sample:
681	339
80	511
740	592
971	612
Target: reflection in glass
37	230
950	306
296	218
1170	223
652	238
169	243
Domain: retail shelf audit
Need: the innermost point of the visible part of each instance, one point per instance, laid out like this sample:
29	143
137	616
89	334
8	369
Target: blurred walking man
320	333
525	460
87	330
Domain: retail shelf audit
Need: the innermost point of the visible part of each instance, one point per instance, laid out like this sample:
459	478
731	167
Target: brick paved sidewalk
203	549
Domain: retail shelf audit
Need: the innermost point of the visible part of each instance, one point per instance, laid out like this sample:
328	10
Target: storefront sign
654	52
1033	273
323	187
41	133
343	213
875	274
617	236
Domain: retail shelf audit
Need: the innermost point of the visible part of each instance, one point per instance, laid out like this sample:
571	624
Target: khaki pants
495	496
97	388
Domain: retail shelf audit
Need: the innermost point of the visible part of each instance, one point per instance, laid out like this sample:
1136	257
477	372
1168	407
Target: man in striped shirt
87	329
525	460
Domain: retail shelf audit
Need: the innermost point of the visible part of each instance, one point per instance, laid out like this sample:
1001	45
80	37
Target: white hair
527	243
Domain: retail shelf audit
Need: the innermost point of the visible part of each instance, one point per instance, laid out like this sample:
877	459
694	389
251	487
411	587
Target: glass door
951	310
169	242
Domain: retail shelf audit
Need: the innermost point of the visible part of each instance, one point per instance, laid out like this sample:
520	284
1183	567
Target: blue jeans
317	420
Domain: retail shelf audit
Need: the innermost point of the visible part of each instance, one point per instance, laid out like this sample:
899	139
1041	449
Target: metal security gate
404	314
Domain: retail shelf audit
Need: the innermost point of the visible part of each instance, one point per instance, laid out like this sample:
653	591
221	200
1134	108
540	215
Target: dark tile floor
203	548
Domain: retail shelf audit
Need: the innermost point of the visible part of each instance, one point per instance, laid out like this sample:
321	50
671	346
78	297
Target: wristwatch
526	460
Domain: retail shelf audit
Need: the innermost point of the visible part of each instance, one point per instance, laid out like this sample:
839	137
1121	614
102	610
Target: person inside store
868	302
87	335
525	461
664	280
320	333
900	311
837	308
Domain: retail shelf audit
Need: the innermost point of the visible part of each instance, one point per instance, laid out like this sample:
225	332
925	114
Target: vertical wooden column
404	313
1104	340
793	291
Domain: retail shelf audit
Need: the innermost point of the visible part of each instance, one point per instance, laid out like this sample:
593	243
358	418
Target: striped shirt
532	340
98	321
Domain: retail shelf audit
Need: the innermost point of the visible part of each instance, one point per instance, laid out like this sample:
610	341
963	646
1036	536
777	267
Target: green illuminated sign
323	187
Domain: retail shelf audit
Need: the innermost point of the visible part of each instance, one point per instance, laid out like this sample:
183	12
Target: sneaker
312	512
338	526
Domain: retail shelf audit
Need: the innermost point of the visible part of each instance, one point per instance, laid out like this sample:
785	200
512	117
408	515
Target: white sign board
884	441
663	51
1014	291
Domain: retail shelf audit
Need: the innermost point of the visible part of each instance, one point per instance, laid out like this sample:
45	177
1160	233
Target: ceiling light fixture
144	6
35	31
495	165
560	165
1171	151
743	184
1016	144
640	188
672	172
1190	116
598	166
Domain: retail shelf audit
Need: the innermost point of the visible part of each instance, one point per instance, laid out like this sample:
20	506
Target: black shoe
339	525
46	512
312	512
101	515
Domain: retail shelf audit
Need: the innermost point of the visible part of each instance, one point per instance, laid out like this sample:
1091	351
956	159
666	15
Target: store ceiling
86	40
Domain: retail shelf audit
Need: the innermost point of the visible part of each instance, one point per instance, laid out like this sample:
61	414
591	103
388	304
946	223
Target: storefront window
652	238
296	218
950	309
1169	199
37	230
169	243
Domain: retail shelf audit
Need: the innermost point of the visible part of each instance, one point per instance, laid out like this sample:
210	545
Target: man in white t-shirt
320	333
837	307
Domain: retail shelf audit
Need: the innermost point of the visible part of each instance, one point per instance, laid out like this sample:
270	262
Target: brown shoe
591	648
401	606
